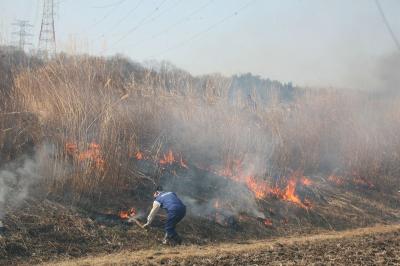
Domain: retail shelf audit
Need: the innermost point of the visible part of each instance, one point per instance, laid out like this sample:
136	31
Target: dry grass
125	108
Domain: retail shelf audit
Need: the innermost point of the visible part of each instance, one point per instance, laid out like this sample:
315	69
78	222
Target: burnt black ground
376	245
43	230
375	249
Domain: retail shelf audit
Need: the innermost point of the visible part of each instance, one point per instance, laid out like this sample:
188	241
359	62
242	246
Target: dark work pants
173	218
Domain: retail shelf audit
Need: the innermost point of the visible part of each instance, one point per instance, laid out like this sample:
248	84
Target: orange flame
233	170
260	189
127	214
267	222
71	148
93	154
139	156
290	195
305	181
168	158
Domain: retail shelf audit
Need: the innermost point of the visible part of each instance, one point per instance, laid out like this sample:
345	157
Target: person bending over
176	210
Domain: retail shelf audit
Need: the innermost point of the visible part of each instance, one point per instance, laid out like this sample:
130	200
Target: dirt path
372	245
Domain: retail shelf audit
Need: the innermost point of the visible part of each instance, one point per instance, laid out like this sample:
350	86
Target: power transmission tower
22	33
47	36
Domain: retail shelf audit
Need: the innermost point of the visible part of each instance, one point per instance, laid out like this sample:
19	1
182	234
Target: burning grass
100	117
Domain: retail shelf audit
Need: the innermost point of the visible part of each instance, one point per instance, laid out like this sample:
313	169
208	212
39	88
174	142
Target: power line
96	22
140	23
128	14
165	11
209	28
110	5
389	28
170	27
150	19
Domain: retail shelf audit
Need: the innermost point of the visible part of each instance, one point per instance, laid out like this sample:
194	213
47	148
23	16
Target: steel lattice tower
22	33
47	36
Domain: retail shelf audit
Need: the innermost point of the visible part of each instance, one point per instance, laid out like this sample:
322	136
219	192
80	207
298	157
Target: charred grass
376	245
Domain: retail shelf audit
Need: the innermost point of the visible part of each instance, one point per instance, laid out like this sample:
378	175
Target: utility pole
47	36
22	33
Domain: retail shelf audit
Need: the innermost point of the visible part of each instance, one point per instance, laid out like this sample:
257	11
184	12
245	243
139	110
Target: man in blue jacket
176	210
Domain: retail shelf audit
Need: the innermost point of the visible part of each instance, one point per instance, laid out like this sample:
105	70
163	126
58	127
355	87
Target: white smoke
17	177
216	134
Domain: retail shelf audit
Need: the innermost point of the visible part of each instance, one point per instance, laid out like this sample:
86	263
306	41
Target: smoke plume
19	176
210	136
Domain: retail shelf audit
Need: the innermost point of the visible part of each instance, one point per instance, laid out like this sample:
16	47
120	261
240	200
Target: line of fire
294	191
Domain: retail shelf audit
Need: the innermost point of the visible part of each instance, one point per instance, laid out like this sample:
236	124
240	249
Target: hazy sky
310	42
